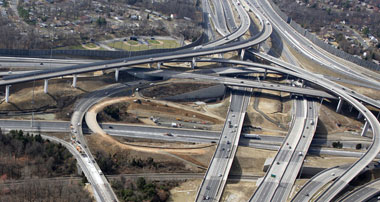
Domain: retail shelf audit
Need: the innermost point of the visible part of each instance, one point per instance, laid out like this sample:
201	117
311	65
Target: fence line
323	45
98	54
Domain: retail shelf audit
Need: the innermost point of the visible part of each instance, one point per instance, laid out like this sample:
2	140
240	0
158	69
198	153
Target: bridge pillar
117	74
378	114
150	65
193	63
79	169
340	104
359	115
74	85
350	108
46	83
158	65
265	74
365	129
242	53
7	93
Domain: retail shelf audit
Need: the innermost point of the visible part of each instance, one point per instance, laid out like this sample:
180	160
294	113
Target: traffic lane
317	182
218	168
312	52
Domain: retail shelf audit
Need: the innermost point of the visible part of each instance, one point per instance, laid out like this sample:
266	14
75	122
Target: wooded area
26	156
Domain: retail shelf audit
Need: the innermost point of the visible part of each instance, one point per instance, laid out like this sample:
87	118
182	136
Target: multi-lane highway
101	187
272	179
232	82
216	176
179	135
364	193
117	63
316	183
302	146
307	48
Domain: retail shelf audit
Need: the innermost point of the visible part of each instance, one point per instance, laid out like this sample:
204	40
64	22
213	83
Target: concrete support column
46	83
265	74
150	65
242	53
340	104
193	63
74	81
378	114
365	129
117	74
7	93
302	83
79	169
359	115
350	108
158	65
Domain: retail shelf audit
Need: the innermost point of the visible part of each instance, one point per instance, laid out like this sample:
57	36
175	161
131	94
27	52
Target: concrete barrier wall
204	93
323	45
96	54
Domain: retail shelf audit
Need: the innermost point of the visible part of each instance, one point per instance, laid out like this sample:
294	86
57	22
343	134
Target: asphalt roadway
215	178
272	179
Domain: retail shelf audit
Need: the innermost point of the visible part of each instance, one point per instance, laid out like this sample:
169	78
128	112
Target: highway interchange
294	147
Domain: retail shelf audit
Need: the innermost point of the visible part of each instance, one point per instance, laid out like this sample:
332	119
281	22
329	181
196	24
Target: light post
31	123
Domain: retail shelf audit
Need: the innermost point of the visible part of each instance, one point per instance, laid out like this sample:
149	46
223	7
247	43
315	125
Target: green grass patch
135	46
76	47
91	45
153	41
132	42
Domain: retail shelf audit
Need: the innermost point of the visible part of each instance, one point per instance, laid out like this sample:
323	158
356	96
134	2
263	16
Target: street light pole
31	123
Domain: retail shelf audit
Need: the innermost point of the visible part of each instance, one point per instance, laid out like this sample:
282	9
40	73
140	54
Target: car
220	175
111	127
300	154
78	124
41	63
228	142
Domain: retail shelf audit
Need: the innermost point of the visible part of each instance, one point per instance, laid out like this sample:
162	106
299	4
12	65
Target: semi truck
252	136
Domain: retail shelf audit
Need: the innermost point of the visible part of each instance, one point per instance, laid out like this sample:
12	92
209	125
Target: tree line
27	156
